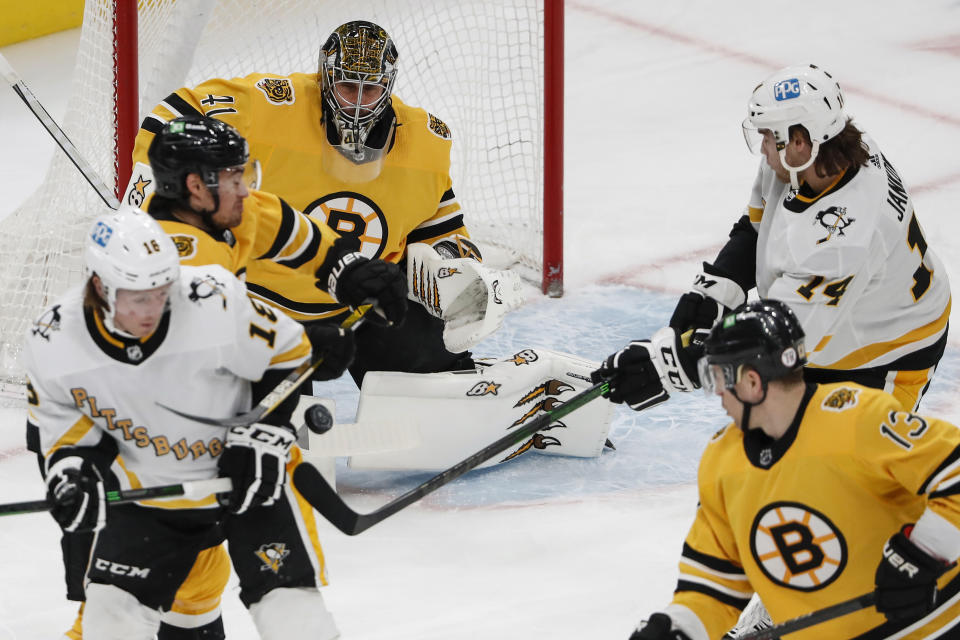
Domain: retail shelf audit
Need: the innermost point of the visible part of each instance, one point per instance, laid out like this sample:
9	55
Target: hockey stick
315	489
280	392
812	618
57	133
194	489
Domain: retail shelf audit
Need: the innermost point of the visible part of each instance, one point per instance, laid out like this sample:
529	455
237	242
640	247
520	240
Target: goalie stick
315	489
91	176
194	489
812	618
280	392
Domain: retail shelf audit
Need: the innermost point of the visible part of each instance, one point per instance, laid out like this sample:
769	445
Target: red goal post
491	69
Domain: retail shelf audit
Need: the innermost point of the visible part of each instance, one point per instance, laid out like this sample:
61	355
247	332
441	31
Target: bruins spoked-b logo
797	547
355	216
277	90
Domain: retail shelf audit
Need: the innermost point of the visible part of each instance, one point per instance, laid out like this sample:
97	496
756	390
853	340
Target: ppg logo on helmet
786	89
101	234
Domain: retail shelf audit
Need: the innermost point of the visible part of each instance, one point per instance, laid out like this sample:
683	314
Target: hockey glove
76	495
354	280
255	458
711	296
657	628
332	345
632	377
906	579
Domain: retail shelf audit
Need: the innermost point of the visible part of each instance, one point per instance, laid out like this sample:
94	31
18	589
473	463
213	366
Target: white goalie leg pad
293	614
459	413
469	297
113	614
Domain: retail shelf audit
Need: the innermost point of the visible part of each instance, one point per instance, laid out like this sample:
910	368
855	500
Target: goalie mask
201	145
764	335
357	69
127	249
799	95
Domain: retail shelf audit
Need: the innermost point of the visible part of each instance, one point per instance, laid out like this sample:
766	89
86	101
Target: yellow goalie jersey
270	230
803	520
412	199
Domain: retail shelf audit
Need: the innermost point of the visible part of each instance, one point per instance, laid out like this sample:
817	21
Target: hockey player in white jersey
830	229
143	330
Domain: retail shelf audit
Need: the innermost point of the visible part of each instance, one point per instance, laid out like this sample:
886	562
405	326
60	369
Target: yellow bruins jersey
803	520
411	200
270	230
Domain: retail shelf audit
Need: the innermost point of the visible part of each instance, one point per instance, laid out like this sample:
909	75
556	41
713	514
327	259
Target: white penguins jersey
853	263
86	383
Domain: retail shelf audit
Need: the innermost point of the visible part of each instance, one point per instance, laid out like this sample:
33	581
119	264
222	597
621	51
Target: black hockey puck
318	419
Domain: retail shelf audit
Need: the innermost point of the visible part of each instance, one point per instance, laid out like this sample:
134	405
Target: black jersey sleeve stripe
181	105
949	460
711	561
425	233
152	125
288	221
733	601
307	308
307	254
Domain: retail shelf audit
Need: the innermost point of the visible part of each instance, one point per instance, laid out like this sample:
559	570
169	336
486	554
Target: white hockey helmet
797	95
127	249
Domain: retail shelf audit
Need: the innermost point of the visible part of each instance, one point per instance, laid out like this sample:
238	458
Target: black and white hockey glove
906	578
646	372
632	376
75	491
334	345
354	279
658	627
711	296
255	458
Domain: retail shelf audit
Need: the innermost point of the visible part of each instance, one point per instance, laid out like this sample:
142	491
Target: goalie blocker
458	413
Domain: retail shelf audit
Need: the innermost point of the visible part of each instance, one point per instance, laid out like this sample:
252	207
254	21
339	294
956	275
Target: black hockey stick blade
198	488
280	392
315	489
812	618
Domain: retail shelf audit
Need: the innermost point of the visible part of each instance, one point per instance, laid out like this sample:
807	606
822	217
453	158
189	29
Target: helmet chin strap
814	149
747	406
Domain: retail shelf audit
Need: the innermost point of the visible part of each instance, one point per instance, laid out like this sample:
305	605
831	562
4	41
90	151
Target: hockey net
477	64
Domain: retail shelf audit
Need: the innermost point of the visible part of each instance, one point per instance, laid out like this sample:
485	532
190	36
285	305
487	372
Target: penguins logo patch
834	220
49	321
272	556
202	288
277	90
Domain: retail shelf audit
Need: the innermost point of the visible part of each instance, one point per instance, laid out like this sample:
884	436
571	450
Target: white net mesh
476	64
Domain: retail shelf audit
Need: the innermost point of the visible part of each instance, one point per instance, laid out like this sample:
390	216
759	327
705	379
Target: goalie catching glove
255	459
76	495
709	299
354	280
646	372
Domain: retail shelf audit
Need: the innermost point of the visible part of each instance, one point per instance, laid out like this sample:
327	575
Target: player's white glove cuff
676	373
724	290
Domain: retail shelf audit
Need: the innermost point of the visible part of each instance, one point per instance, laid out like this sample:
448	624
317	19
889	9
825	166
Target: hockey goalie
445	417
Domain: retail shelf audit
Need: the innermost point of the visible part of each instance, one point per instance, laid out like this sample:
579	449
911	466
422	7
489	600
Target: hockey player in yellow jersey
339	146
814	495
831	230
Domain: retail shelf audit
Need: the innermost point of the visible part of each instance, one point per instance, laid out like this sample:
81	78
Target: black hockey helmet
764	335
194	144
